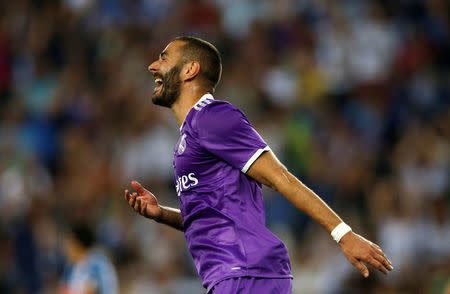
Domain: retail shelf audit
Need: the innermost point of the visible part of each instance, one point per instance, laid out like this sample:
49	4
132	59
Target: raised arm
146	204
268	170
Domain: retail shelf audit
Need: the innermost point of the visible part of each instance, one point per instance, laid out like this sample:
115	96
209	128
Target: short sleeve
225	132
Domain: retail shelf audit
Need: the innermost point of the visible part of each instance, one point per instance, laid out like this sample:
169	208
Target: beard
171	88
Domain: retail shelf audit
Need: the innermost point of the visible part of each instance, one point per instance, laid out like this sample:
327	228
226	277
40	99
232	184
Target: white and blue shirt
95	271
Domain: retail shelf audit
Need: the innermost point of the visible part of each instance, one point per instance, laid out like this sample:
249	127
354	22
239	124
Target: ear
190	71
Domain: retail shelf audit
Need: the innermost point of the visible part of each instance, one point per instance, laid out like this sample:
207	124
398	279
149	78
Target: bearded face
168	87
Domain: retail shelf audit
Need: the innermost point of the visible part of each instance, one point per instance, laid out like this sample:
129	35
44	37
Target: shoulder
215	112
206	107
97	260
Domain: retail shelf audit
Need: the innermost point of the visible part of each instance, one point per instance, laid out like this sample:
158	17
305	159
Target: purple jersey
222	208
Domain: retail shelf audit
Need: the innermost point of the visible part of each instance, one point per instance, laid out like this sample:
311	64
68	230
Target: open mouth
159	85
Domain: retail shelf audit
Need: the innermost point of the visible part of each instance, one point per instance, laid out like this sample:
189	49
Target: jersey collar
200	102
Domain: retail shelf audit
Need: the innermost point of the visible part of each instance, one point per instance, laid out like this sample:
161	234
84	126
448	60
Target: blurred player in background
220	163
89	270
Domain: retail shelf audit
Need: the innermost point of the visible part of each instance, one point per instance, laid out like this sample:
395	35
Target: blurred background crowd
352	95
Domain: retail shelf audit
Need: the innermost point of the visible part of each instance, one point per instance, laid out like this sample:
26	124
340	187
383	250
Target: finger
132	200
127	195
378	265
379	251
133	197
383	261
361	267
387	264
137	204
143	208
377	248
138	187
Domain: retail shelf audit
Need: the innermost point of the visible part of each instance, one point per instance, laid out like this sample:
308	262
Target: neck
188	98
77	254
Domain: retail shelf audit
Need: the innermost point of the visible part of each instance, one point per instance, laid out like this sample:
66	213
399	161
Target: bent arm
269	171
146	204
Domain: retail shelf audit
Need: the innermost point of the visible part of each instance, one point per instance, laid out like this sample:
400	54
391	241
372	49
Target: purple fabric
252	285
222	208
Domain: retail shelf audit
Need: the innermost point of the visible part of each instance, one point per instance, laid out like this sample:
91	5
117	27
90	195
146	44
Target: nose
153	68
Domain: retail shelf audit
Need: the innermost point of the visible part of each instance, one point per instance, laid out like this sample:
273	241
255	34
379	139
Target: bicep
269	171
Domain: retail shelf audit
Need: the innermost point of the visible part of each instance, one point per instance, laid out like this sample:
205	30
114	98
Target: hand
357	250
143	202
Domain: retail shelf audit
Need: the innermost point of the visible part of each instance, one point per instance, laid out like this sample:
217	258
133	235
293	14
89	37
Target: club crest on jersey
182	145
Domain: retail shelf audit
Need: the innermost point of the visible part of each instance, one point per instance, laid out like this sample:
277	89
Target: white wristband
339	231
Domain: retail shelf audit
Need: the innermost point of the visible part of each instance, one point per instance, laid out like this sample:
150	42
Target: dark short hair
196	49
83	233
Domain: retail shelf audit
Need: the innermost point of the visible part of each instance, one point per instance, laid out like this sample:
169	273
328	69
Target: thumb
361	267
138	187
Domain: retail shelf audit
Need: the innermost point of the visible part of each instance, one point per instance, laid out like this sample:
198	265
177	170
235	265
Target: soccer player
89	270
220	163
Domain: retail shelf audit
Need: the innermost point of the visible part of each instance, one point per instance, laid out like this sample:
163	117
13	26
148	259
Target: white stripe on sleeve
254	158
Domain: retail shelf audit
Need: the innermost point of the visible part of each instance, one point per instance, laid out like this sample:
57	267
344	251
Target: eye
163	56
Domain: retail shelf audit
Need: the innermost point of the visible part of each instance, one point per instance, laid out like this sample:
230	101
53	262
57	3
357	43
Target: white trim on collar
202	102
